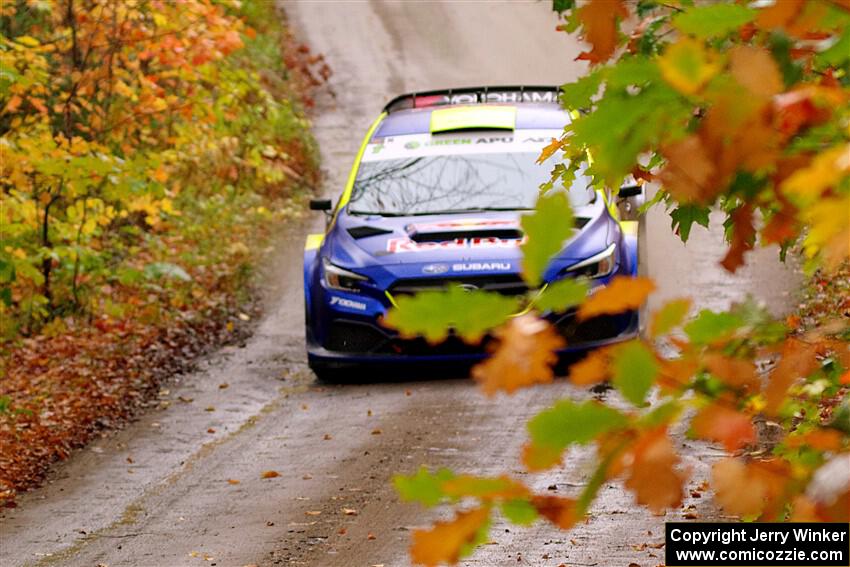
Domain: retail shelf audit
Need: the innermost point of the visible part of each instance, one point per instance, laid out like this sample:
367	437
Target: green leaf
660	415
634	369
562	5
546	228
432	314
130	276
6	296
567	422
624	125
423	487
710	326
713	20
520	512
562	295
837	53
684	217
7	271
634	71
669	316
578	94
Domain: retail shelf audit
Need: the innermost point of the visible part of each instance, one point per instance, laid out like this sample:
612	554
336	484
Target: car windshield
420	185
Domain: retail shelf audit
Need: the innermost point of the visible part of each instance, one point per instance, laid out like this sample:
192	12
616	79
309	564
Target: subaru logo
435	269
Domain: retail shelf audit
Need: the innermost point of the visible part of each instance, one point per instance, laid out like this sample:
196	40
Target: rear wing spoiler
474	95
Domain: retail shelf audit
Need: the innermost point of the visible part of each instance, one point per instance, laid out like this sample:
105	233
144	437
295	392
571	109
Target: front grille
346	336
421	347
595	329
506	284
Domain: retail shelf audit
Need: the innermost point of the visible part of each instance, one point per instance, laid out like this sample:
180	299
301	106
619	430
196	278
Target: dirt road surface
163	492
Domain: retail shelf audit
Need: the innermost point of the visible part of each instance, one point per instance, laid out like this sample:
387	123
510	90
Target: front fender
311	252
630	240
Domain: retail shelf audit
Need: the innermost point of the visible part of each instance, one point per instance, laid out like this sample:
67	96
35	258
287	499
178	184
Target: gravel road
182	485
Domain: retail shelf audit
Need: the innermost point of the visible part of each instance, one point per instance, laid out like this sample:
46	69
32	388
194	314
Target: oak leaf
734	372
652	475
446	542
689	170
687	65
546	229
779	14
592	369
669	316
756	70
674	373
599	18
743	238
538	458
550	149
432	314
716	422
503	487
559	510
525	355
736	489
624	293
798	360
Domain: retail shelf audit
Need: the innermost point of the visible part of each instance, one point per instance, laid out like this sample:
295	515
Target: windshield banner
457	143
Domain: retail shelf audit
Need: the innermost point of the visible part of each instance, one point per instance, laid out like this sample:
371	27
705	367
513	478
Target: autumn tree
119	120
729	106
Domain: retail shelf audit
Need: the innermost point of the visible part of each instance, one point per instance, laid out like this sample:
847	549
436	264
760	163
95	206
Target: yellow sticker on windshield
473	117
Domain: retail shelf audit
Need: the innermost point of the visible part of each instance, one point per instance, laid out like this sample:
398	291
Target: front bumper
354	341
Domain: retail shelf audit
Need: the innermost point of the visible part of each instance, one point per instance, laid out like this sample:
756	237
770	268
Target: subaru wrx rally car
434	198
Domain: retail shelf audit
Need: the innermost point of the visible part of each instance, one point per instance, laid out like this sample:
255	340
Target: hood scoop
442	231
365	231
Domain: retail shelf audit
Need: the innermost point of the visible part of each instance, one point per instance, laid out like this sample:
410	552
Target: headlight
337	278
597	266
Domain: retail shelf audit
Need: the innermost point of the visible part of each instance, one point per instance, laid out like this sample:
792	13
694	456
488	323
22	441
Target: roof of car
418	120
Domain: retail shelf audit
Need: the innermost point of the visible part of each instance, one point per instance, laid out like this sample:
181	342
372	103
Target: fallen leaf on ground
232	481
270	474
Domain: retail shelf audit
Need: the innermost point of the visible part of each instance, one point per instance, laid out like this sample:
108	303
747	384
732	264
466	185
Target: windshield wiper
445	212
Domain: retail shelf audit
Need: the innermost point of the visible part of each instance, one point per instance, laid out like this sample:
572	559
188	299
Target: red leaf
743	233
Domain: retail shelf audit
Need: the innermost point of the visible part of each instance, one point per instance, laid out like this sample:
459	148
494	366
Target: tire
328	375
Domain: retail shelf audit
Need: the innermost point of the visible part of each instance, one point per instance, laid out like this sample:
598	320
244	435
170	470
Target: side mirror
627	191
320	205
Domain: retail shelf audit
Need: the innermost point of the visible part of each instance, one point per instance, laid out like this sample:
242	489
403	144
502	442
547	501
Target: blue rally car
434	198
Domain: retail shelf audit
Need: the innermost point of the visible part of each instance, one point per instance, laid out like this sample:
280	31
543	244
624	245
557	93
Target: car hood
473	242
